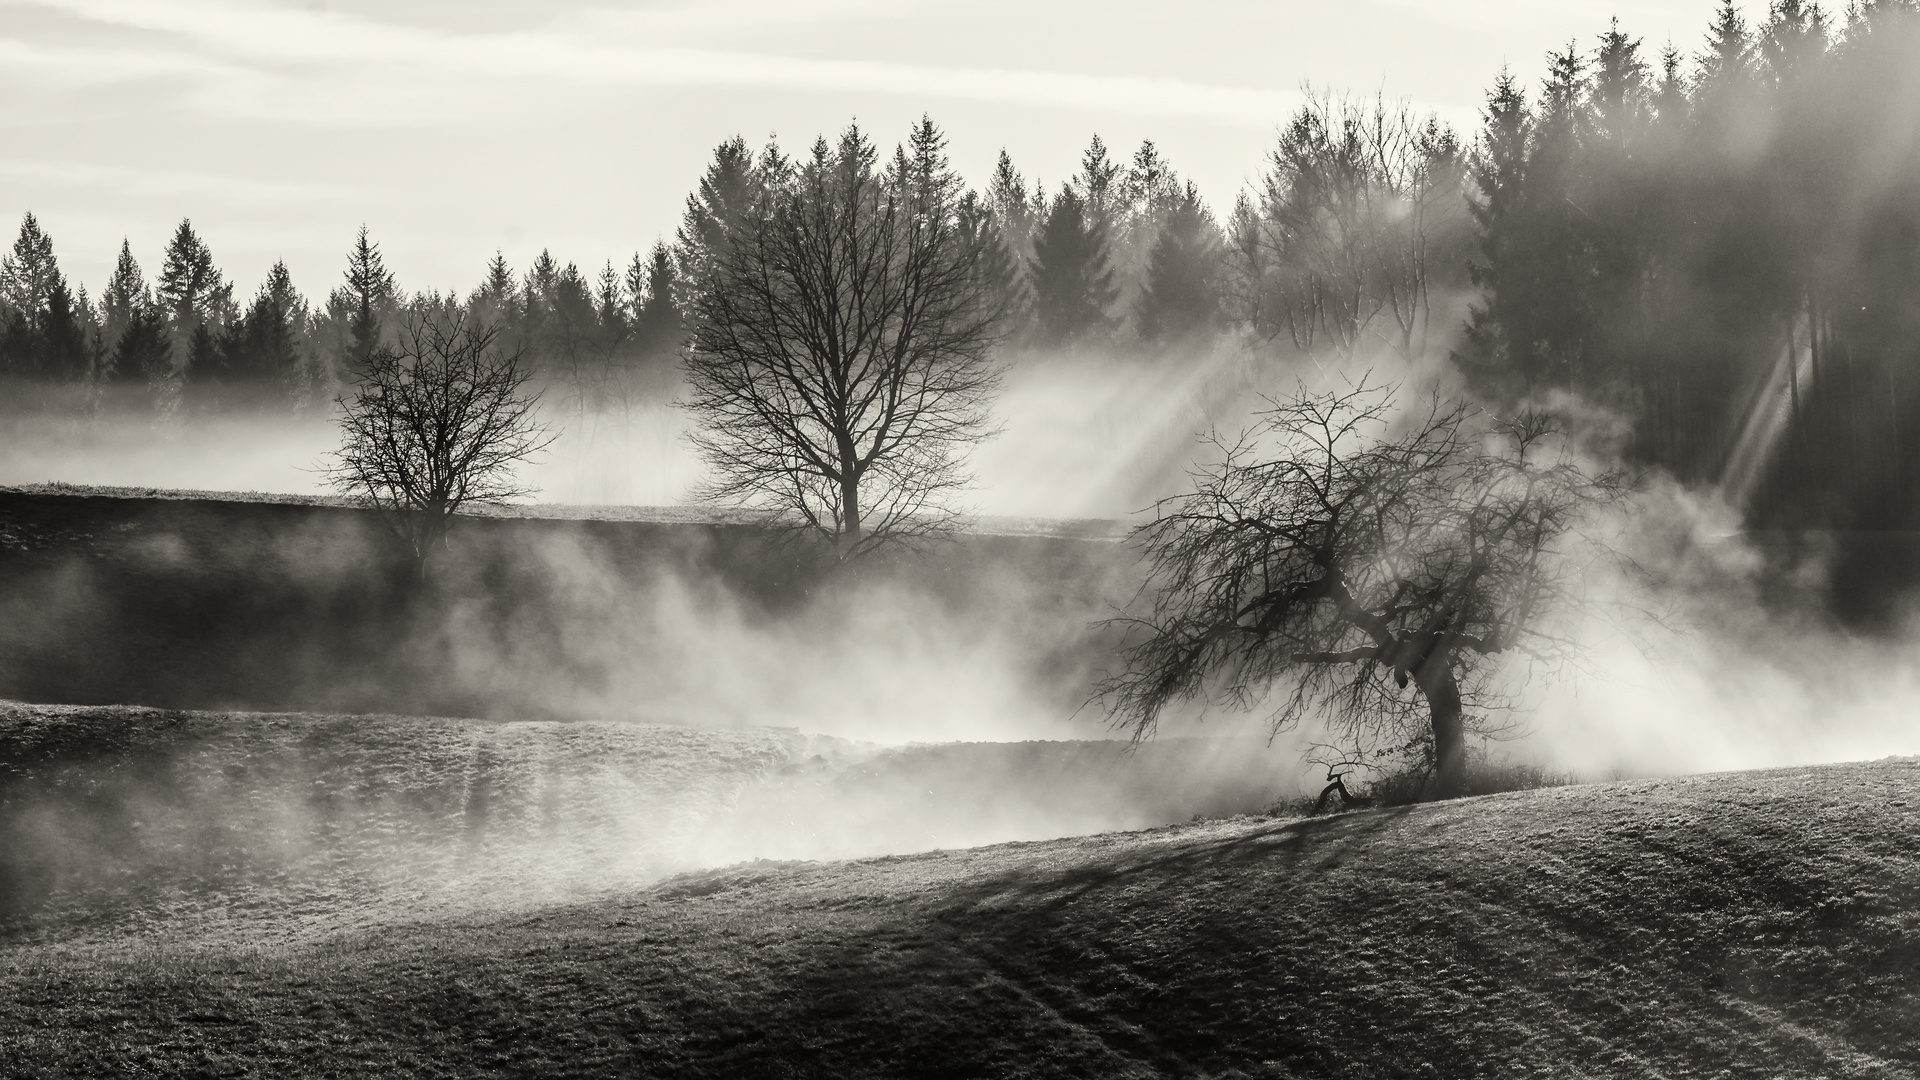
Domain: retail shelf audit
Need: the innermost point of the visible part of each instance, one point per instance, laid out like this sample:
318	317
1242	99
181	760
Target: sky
453	130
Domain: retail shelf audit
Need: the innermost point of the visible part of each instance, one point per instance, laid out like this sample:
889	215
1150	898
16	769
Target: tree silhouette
1072	276
1327	552
438	420
366	300
1181	294
837	353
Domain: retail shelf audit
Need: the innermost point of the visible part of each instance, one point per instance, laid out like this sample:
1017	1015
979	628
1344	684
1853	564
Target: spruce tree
1149	193
657	314
367	299
1498	174
1181	294
144	353
610	293
1728	59
191	293
1098	186
29	280
723	198
262	349
1071	273
496	302
28	273
124	292
1013	214
63	332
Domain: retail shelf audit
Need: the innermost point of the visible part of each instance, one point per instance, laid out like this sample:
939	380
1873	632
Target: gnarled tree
839	328
435	422
1371	564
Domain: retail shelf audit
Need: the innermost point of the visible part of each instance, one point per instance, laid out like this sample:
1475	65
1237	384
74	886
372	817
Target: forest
1710	259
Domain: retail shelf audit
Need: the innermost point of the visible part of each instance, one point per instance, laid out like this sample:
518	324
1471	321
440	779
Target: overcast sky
453	129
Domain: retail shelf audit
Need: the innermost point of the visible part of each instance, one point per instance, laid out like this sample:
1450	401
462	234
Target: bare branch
440	420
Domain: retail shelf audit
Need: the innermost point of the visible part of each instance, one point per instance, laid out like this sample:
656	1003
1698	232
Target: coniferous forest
1712	254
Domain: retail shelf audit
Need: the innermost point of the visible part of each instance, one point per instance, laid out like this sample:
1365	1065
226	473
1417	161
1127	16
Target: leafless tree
837	358
437	421
1356	561
1338	248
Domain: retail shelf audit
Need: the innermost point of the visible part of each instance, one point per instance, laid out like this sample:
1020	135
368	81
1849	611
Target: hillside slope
116	818
1763	924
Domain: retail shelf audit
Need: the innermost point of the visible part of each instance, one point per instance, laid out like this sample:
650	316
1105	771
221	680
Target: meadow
607	800
1757	924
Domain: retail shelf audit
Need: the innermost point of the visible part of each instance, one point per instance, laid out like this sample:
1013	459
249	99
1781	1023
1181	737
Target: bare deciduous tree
1339	247
437	421
1355	563
837	359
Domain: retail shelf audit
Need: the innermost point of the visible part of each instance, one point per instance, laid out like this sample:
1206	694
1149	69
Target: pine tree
126	290
1671	109
1098	187
144	353
1498	173
1726	68
657	314
96	347
191	292
610	292
367	299
1071	274
1150	192
64	334
1181	293
1012	206
1619	103
263	347
1013	216
536	305
29	272
30	280
724	196
1796	36
497	302
1246	286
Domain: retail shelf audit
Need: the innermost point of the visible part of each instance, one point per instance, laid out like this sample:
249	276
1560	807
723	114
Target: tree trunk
849	514
1449	778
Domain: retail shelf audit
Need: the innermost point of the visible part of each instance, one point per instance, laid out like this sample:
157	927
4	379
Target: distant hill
1758	924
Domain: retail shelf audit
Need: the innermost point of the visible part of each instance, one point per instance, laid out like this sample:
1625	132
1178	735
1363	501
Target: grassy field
1763	925
124	819
119	818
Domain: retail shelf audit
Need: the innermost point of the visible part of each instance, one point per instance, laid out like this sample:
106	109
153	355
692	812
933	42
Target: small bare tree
435	422
837	359
1356	562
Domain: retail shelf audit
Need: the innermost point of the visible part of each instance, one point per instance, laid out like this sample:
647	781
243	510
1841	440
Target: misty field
1758	924
306	823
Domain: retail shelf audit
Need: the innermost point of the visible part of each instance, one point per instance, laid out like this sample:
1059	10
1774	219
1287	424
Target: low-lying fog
1721	682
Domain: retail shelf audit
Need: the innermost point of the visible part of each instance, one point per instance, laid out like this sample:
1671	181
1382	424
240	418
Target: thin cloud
329	67
161	184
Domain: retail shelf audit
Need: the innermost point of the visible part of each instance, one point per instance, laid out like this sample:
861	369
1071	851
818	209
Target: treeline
183	340
1726	253
1719	253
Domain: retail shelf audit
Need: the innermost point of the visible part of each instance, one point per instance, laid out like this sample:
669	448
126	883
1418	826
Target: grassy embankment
204	601
1762	924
